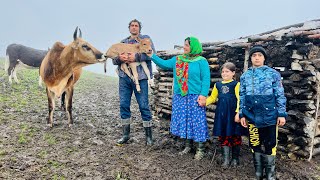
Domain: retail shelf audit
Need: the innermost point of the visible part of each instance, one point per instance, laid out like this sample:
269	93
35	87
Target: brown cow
61	69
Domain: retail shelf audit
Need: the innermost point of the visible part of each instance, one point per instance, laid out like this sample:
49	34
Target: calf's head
145	46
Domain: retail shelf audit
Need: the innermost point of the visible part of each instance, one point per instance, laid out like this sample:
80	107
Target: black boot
148	132
125	136
225	156
235	156
270	166
258	165
200	151
187	149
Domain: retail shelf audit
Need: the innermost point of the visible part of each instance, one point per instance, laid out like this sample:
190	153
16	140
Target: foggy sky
40	23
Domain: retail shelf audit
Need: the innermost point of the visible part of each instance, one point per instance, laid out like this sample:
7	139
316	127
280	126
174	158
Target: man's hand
131	57
202	100
123	57
281	121
243	122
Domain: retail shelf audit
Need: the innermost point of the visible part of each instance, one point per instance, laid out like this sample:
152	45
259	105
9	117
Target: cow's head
84	52
145	46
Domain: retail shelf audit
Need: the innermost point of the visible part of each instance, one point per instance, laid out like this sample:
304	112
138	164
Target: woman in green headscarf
191	87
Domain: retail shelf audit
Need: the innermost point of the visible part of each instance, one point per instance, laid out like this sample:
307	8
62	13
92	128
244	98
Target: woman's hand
243	122
202	100
236	118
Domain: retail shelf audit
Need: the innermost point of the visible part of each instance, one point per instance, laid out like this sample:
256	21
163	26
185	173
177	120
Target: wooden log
261	38
302	83
295	77
166	84
298	90
213	60
166	79
213	55
215	74
206	44
316	63
164	89
214	66
302	153
296	66
215	80
309	71
286	73
161	109
314	36
166	95
238	44
210	120
210	114
314	52
164	105
211	107
166	73
212	48
293	147
285	131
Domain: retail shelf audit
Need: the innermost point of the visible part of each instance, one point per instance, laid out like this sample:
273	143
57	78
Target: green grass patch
3	153
43	154
58	177
51	140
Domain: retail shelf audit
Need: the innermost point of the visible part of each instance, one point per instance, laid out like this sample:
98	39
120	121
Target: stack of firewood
295	52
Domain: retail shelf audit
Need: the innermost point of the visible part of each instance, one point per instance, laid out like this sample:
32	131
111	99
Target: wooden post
316	117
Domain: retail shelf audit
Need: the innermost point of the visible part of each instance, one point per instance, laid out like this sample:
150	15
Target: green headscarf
182	63
195	50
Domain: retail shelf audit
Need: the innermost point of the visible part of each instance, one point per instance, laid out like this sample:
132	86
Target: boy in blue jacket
262	110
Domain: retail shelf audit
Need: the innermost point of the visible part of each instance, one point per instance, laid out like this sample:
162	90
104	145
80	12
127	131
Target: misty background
40	23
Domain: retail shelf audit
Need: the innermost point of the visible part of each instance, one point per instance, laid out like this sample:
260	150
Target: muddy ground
31	150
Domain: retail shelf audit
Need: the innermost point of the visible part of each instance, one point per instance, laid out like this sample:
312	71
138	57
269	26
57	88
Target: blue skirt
188	119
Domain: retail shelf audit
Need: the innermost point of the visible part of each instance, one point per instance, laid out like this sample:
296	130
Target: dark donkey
18	54
61	69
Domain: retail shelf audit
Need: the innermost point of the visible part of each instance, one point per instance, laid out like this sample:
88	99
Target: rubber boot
270	167
235	156
200	151
148	132
187	149
125	136
225	156
258	165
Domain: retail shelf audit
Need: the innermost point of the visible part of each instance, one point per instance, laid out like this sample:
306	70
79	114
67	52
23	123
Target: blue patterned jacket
262	98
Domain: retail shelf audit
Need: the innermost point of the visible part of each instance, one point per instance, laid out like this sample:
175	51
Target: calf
61	69
19	54
144	46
